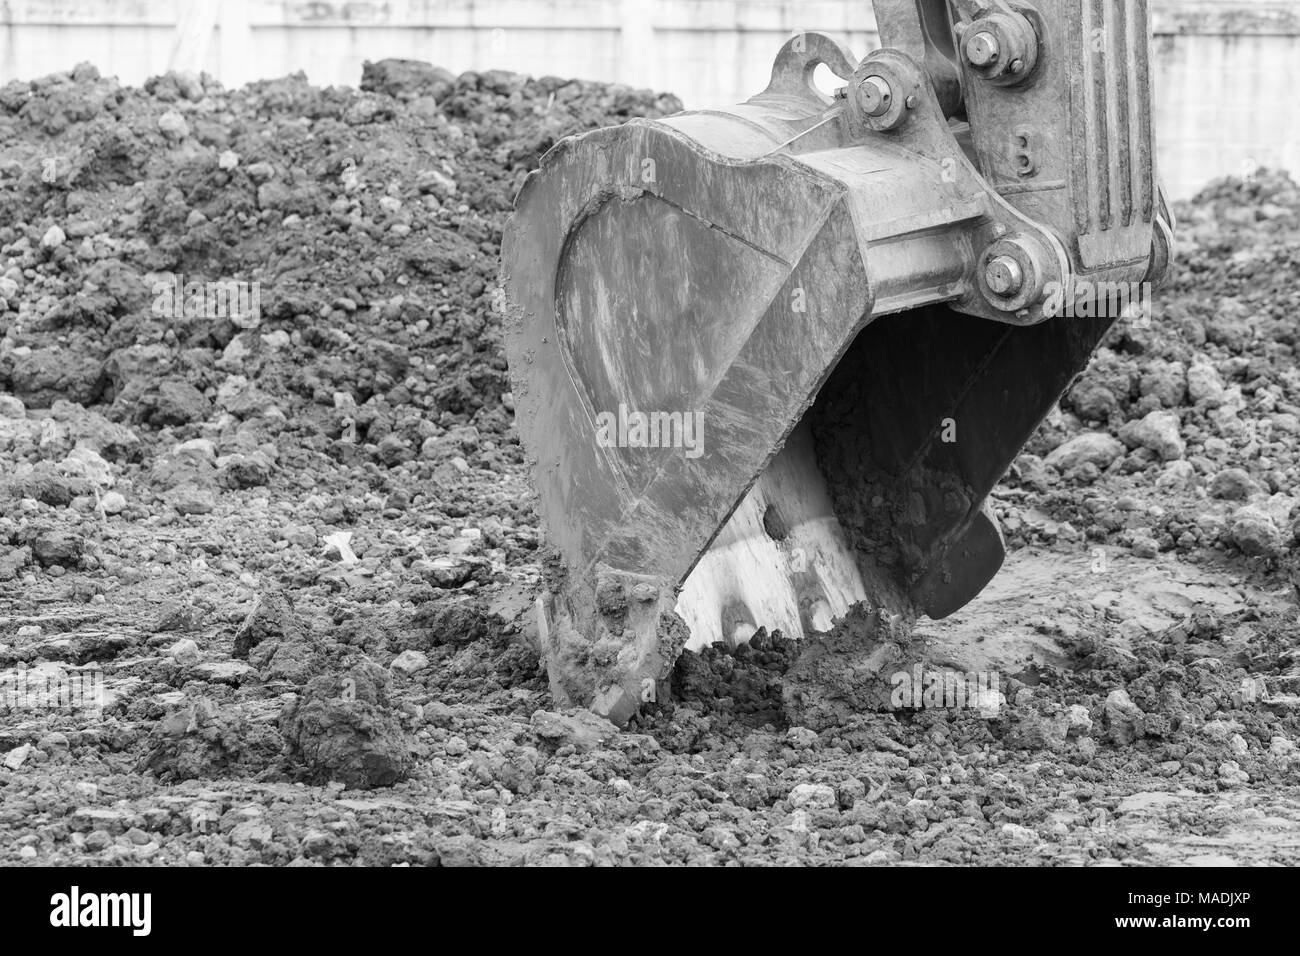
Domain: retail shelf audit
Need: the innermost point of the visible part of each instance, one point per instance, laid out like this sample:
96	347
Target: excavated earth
297	548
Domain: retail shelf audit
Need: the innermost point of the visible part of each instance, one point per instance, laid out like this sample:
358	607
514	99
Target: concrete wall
1227	89
1227	70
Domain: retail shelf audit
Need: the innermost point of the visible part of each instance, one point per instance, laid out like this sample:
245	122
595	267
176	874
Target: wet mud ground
299	551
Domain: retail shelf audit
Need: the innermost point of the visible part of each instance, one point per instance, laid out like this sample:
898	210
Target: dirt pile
1197	401
268	295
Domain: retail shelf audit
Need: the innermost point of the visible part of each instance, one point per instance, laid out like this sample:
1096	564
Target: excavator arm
769	361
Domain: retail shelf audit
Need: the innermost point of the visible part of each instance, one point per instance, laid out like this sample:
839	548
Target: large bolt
876	96
1004	276
982	49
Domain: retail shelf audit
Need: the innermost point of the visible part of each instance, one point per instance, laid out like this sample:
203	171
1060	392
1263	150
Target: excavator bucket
769	361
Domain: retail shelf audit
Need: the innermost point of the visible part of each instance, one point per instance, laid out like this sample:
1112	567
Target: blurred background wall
1228	71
